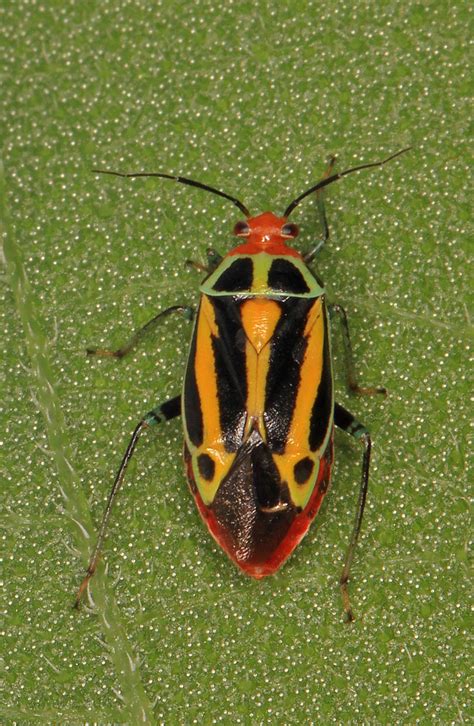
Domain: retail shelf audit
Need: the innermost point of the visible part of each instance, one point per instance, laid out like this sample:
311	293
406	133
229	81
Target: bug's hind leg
308	256
138	336
164	412
346	421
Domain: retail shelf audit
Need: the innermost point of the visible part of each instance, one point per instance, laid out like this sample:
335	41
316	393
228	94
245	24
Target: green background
250	97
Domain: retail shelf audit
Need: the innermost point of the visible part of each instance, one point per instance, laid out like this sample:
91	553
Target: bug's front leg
346	421
352	383
138	336
213	261
309	256
166	411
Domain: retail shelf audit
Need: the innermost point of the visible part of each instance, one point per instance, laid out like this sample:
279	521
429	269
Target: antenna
181	180
335	177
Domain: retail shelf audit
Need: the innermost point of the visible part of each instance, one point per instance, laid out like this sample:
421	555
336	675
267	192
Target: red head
266	233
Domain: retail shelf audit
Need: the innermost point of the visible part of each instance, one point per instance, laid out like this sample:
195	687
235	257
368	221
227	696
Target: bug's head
266	227
266	230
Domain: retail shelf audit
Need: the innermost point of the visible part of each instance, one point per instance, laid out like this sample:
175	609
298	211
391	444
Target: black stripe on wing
323	403
192	400
288	347
230	365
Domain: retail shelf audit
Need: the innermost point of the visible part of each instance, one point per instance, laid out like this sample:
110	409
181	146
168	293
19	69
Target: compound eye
241	229
290	230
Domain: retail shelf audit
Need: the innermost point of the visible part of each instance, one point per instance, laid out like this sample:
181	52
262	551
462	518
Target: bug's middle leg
335	309
164	412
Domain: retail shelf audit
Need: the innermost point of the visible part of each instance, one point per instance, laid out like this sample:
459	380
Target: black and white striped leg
213	261
346	421
335	309
322	215
166	411
137	337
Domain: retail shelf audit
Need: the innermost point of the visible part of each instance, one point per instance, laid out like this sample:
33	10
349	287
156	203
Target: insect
257	400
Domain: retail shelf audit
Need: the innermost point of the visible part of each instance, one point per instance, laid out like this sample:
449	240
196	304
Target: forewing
299	400
215	392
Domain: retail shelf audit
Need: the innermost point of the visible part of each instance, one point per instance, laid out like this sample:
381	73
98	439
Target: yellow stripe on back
310	376
297	443
213	443
259	317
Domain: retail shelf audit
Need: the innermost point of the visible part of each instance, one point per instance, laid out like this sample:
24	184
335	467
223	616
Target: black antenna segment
335	177
181	180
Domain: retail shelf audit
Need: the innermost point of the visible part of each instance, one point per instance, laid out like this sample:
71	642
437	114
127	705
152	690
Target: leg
350	368
322	215
137	337
213	260
169	409
348	423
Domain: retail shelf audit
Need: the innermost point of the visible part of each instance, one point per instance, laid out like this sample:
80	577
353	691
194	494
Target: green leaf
250	98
